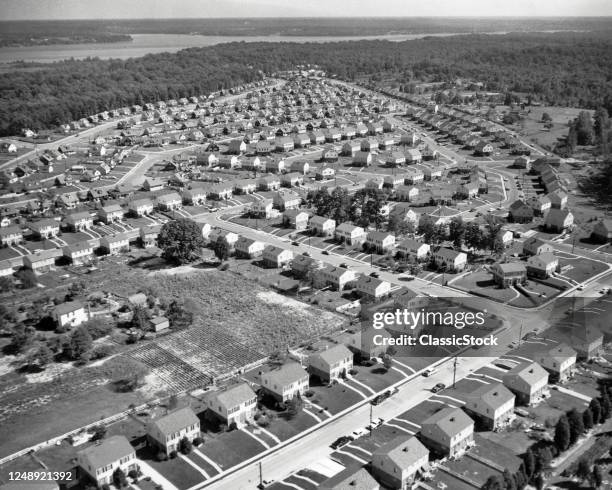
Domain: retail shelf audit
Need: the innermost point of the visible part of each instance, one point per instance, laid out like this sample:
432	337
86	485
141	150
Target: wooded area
567	69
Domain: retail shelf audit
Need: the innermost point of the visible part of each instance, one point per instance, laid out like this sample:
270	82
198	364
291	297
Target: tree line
570	69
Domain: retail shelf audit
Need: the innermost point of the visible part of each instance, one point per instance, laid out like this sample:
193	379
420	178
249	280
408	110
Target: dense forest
567	69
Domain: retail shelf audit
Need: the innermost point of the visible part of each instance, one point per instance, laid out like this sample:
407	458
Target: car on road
325	252
343	265
306	254
295	243
429	371
341	441
374	274
438	387
407	278
376	423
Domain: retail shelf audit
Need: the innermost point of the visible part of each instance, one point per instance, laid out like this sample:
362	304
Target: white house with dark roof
362	158
296	219
78	253
540	204
98	462
536	246
248	248
166	432
397	463
276	256
414	248
10	235
337	277
602	231
140	207
236	404
558	199
406	193
559	361
111	213
6	268
509	274
542	265
330	364
528	381
148	235
170	201
286	199
115	244
448	432
380	241
79	221
587	340
292	179
350	234
372	288
449	259
285	382
558	220
71	313
42	261
269	183
45	228
262	208
492	405
322	226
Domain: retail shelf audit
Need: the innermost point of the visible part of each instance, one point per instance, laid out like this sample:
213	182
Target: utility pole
454	372
260	476
371	422
520	334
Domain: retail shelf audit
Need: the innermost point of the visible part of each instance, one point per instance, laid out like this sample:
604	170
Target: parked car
341	441
429	371
325	252
374	274
295	243
438	387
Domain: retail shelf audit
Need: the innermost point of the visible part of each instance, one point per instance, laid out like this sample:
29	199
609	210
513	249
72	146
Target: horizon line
607	16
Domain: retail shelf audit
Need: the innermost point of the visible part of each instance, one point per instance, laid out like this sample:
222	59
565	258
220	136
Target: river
143	44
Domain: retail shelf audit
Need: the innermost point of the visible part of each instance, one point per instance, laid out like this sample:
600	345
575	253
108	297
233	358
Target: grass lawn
481	283
334	398
284	428
377	377
230	448
580	269
515	440
180	473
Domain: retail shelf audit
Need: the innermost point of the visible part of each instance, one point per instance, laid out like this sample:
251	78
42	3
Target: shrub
173	455
133	474
309	393
161	456
198	441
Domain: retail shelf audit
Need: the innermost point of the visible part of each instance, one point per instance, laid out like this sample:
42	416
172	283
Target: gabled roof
351	478
449	420
107	452
68	307
334	354
176	421
286	374
493	396
403	451
235	395
529	373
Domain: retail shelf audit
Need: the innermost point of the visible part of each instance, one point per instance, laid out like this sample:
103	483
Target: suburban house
372	288
71	313
140	207
195	196
413	156
349	148
276	256
540	204
542	265
166	432
536	246
285	382
115	244
558	199
11	235
324	173
397	463
220	192
380	241
362	342
509	274
374	184
301	167
78	253
351	477
414	248
6	268
406	193
45	228
148	235
236	404
305	267
159	324
350	234
292	179
362	158
602	231
229	238
393	181
395	159
558	220
262	208
520	212
337	277
528	381
286	200
491	405
450	260
98	462
330	364
79	221
296	219
505	237
269	183
236	147
284	144
587	340
42	261
153	184
248	248
448	432
244	186
170	201
558	361
111	213
322	226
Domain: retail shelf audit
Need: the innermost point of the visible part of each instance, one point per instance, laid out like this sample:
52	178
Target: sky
116	9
